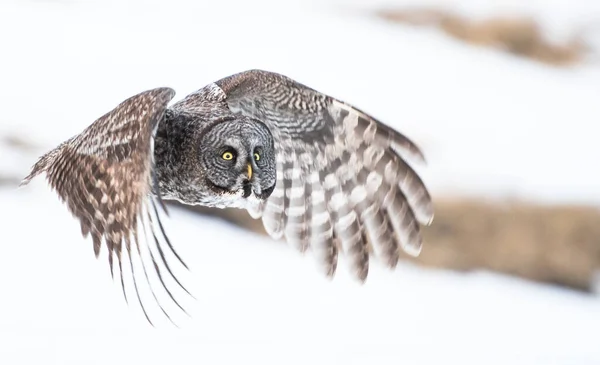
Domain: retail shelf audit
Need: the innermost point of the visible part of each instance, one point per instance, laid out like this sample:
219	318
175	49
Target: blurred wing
104	176
342	179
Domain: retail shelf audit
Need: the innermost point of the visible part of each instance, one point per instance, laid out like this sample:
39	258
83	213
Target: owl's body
319	172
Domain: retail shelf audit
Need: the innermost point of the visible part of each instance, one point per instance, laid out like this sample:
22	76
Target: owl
324	175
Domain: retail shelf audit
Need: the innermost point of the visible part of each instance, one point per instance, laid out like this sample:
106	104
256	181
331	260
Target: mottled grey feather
374	197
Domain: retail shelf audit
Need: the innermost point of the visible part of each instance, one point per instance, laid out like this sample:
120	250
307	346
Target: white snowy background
491	125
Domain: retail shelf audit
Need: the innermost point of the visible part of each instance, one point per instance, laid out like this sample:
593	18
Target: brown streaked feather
320	227
374	131
379	231
296	207
105	175
274	209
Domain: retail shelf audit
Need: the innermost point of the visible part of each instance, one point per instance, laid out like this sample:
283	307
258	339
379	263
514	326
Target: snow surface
490	125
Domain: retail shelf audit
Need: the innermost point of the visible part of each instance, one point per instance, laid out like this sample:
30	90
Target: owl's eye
227	156
256	156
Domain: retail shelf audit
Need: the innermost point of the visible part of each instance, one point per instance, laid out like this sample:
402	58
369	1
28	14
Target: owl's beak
249	171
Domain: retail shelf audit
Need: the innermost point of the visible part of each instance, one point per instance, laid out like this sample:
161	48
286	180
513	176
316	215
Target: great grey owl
321	173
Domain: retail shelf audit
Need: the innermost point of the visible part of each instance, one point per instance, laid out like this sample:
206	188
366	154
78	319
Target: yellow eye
256	156
227	156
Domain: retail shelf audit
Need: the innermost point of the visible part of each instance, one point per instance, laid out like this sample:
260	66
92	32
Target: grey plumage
319	172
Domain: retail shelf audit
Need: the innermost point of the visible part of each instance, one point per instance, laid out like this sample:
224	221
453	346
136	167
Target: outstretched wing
105	177
342	178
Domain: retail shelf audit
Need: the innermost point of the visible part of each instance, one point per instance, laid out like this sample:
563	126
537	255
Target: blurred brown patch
553	244
519	36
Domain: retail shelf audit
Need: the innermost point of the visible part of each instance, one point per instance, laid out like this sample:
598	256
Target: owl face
238	156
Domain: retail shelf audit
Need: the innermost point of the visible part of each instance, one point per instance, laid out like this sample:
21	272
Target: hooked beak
249	171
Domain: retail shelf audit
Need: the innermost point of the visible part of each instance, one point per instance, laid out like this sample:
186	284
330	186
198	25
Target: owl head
237	155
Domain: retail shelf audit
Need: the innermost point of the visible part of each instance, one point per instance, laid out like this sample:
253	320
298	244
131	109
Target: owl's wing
342	180
105	177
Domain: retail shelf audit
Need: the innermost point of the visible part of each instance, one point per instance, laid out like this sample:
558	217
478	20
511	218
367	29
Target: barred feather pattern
343	181
104	176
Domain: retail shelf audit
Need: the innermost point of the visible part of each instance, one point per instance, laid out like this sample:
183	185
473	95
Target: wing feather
355	190
320	227
105	177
